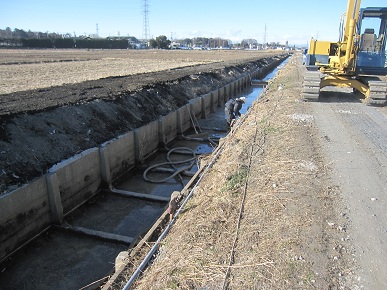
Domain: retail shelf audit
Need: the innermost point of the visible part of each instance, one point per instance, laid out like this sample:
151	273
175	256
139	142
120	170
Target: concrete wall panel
184	120
207	103
227	90
232	91
78	178
236	88
259	73
168	128
244	82
221	96
120	155
24	213
215	100
146	140
248	80
196	107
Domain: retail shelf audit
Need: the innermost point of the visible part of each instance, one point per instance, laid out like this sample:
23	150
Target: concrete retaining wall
78	178
196	109
30	209
206	105
24	213
183	119
168	128
117	157
227	91
221	96
146	140
215	100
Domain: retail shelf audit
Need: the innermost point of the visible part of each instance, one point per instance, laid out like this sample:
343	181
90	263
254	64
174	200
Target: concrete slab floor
59	260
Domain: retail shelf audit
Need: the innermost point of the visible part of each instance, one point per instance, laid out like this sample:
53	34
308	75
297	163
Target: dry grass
32	69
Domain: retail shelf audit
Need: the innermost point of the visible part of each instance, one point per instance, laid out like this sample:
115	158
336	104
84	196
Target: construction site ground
295	200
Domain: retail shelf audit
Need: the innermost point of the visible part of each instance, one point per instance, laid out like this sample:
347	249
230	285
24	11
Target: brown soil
42	126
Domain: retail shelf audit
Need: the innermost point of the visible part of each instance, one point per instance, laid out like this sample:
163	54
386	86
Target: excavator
356	61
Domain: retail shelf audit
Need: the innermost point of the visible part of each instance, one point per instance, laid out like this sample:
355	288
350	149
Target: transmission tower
145	12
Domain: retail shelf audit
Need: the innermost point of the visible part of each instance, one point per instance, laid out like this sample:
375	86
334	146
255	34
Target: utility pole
264	38
96	29
145	12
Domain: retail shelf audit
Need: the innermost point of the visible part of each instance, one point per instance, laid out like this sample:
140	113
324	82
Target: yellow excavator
356	61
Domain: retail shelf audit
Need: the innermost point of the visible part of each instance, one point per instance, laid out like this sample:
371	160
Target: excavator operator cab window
368	40
372	28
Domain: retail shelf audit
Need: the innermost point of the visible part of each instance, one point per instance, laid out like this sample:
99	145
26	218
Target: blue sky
293	21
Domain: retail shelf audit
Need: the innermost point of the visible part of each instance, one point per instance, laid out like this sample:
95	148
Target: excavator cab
371	55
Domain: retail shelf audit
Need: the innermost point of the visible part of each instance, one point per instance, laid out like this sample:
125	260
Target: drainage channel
84	248
81	253
251	94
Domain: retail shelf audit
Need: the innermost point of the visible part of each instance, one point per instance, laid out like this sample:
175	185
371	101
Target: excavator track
378	93
311	86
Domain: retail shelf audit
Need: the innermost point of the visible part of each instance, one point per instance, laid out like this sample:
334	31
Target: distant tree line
29	39
160	42
195	42
77	43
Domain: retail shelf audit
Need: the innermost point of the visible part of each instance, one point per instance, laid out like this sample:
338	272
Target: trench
80	251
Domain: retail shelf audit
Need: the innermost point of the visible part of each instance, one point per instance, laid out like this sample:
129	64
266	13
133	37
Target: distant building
175	45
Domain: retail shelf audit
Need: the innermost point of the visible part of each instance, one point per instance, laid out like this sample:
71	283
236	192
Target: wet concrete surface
59	260
116	214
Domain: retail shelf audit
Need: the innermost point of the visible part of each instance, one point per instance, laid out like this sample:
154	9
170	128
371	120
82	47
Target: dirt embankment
41	127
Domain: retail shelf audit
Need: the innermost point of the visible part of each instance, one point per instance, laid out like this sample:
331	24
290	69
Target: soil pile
41	127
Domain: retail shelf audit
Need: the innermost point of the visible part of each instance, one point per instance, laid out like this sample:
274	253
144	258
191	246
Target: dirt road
296	200
354	138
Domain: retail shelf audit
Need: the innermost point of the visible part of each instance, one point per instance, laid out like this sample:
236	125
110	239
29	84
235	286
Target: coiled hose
174	170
